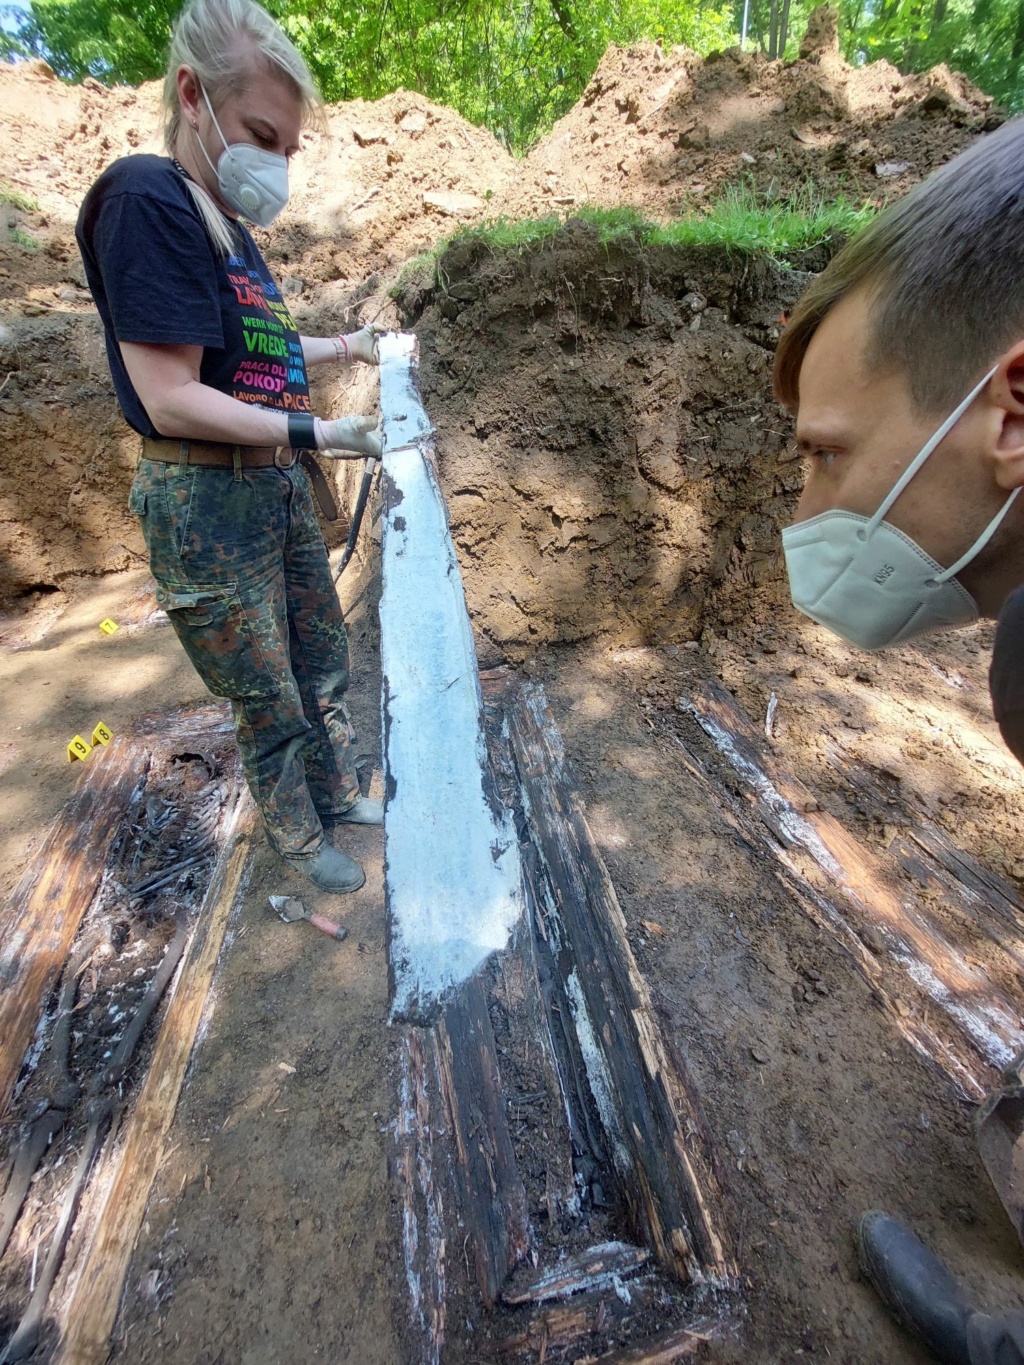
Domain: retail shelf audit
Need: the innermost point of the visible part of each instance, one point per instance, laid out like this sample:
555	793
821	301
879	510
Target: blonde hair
944	270
223	42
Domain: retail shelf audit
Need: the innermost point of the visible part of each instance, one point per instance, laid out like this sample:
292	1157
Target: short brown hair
945	268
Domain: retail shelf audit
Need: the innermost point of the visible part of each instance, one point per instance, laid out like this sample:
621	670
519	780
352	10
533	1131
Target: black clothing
157	278
1006	674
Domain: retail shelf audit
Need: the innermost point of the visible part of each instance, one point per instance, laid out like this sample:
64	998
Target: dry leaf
653	928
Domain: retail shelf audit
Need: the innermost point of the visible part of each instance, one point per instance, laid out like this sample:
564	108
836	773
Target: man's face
860	430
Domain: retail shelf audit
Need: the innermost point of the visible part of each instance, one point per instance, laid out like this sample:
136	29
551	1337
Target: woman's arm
319	350
181	407
166	378
344	348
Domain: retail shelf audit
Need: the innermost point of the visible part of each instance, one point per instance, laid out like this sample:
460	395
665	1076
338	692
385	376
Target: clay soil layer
617	475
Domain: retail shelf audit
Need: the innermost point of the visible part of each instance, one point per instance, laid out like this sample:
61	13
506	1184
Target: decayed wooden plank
651	1120
999	895
92	1306
596	1268
925	852
873	900
959	1061
593	1318
46	909
452	879
665	1348
492	1199
421	1172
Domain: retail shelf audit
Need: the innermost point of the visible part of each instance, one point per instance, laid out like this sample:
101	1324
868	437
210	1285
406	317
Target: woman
209	368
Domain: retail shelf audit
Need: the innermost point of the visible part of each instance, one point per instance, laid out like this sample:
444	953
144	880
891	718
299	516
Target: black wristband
302	431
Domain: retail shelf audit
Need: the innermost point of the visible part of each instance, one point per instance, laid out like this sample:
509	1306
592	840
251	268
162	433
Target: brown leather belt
217	454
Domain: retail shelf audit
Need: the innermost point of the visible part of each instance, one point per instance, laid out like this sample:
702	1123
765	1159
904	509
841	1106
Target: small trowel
291	909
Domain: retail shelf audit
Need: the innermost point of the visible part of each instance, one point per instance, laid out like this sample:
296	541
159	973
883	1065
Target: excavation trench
804	862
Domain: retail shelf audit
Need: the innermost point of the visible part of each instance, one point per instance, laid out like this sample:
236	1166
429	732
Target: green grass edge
17	199
740	221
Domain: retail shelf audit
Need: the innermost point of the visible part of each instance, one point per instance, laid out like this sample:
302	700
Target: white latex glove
348	436
362	345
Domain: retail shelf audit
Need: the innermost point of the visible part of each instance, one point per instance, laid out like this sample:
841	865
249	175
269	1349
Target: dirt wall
610	448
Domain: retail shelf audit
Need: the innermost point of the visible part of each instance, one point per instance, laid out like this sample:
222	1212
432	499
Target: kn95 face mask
867	581
251	181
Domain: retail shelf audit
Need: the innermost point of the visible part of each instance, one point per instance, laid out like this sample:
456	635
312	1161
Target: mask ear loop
220	133
919	460
980	543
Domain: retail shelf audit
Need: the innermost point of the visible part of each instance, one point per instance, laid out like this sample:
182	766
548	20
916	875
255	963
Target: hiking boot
363	811
329	869
915	1286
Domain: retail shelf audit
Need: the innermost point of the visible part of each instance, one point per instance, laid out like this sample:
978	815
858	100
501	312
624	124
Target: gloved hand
362	345
347	436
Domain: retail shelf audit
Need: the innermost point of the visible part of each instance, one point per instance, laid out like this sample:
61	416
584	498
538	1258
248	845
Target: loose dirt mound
654	128
665	130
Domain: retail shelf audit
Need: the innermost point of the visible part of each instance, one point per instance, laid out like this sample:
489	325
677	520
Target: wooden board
964	1018
91	1309
492	1200
650	1117
44	914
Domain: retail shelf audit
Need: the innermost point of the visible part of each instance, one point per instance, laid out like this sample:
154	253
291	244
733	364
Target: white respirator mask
251	181
869	583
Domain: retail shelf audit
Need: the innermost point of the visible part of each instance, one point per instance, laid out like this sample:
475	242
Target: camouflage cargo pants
242	572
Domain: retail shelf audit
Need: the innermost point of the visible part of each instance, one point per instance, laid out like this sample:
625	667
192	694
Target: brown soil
617	475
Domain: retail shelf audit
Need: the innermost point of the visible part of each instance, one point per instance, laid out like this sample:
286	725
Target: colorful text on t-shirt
273	362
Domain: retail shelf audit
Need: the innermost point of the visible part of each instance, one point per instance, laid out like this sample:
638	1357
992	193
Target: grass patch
25	202
740	221
23	240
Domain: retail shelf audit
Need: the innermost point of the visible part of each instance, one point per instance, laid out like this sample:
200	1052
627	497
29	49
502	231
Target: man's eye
823	457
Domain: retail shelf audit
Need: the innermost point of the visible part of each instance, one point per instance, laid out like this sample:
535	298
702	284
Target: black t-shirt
1006	675
157	277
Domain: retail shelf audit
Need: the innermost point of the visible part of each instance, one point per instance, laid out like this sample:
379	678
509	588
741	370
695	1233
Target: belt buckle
284	450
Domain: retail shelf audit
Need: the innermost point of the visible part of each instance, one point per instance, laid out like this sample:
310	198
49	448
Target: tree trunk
784	28
982	13
773	31
564	17
1017	51
939	13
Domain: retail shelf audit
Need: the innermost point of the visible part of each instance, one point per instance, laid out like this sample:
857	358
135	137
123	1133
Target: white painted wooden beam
453	880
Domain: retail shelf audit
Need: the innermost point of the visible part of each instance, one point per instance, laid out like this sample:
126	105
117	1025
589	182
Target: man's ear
1007	395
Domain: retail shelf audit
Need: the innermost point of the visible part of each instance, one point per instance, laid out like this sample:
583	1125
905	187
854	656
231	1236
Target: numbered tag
78	749
102	734
108	626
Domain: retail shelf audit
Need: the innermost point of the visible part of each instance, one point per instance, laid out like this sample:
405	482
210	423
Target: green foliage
514	67
18	200
517	66
24	240
100	38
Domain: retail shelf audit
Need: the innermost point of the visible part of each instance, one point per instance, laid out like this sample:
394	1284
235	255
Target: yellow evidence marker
78	749
102	734
108	626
